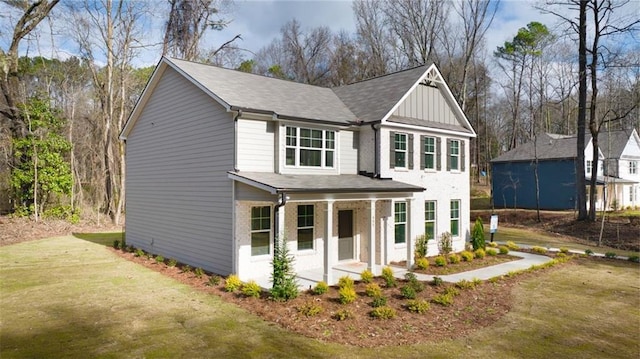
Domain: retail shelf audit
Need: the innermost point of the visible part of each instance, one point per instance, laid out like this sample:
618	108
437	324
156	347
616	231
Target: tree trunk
582	113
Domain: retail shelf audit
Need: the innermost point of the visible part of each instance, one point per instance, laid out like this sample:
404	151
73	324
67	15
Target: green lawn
71	297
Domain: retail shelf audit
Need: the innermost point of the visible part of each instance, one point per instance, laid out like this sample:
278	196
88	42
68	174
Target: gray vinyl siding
427	103
348	152
256	146
179	198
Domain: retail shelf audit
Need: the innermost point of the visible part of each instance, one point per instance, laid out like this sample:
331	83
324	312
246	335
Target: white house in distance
220	163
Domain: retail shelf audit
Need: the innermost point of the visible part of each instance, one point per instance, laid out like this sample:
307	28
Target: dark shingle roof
346	183
618	140
372	99
547	147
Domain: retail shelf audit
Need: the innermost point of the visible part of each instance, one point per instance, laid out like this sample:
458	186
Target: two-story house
221	164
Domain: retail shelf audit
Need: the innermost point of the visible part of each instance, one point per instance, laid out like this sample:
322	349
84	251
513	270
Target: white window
631	194
430	219
589	166
400	146
633	167
307	147
455	217
429	152
305	226
260	230
454	155
400	217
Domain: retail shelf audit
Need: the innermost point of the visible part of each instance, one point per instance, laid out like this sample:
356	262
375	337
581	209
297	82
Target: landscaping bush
347	295
198	272
477	235
588	252
387	274
504	250
345	281
564	250
383	313
634	258
139	253
492	252
159	259
408	292
440	261
512	245
561	255
421	247
379	301
172	262
310	309
610	254
186	268
116	244
343	314
214	280
418	306
366	276
283	277
453	291
232	283
445	243
479	253
251	289
492	244
467	256
413	281
320	288
539	250
373	290
454	258
437	281
443	299
422	263
465	284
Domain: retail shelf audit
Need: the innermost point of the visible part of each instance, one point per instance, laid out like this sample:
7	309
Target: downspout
376	167
235	140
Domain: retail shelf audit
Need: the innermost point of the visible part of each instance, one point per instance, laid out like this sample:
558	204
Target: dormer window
306	147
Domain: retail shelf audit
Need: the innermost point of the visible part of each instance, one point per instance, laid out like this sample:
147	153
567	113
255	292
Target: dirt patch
472	309
463	266
618	231
18	229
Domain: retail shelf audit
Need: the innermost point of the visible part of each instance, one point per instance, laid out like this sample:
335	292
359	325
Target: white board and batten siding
427	103
178	192
256	145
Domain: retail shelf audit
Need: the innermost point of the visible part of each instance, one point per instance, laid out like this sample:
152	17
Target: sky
260	21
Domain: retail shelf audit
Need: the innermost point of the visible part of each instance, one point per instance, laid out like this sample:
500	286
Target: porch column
412	230
372	236
281	226
329	243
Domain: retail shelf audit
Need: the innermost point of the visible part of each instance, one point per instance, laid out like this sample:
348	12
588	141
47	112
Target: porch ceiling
286	183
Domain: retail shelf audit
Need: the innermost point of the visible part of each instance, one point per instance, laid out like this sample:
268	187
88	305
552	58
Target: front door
345	235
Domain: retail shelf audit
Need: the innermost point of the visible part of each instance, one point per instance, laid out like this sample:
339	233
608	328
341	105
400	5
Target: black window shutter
410	151
438	153
462	156
392	147
448	154
422	164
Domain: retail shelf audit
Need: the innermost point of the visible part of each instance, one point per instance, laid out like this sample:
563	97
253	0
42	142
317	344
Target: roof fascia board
144	98
252	183
406	94
429	129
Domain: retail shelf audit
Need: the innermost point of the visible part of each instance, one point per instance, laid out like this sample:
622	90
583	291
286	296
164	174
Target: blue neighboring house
513	174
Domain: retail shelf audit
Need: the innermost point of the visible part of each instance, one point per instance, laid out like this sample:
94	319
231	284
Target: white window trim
435	217
457	155
406	208
633	167
434	154
261	257
405	151
451	218
313	232
323	150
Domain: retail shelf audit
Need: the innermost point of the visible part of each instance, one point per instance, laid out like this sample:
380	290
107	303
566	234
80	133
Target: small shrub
408	292
445	243
379	301
251	289
440	261
512	245
466	256
387	274
320	288
492	252
186	268
417	285
310	309
421	247
479	253
561	255
564	250
214	280
366	276
343	314
116	244
588	252
139	253
477	235
232	283
493	244
453	291
437	281
476	281
422	263
172	262
284	285
443	299
504	250
454	258
539	250
347	295
610	254
634	258
383	313
346	281
373	290
159	259
465	284
418	306
198	272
